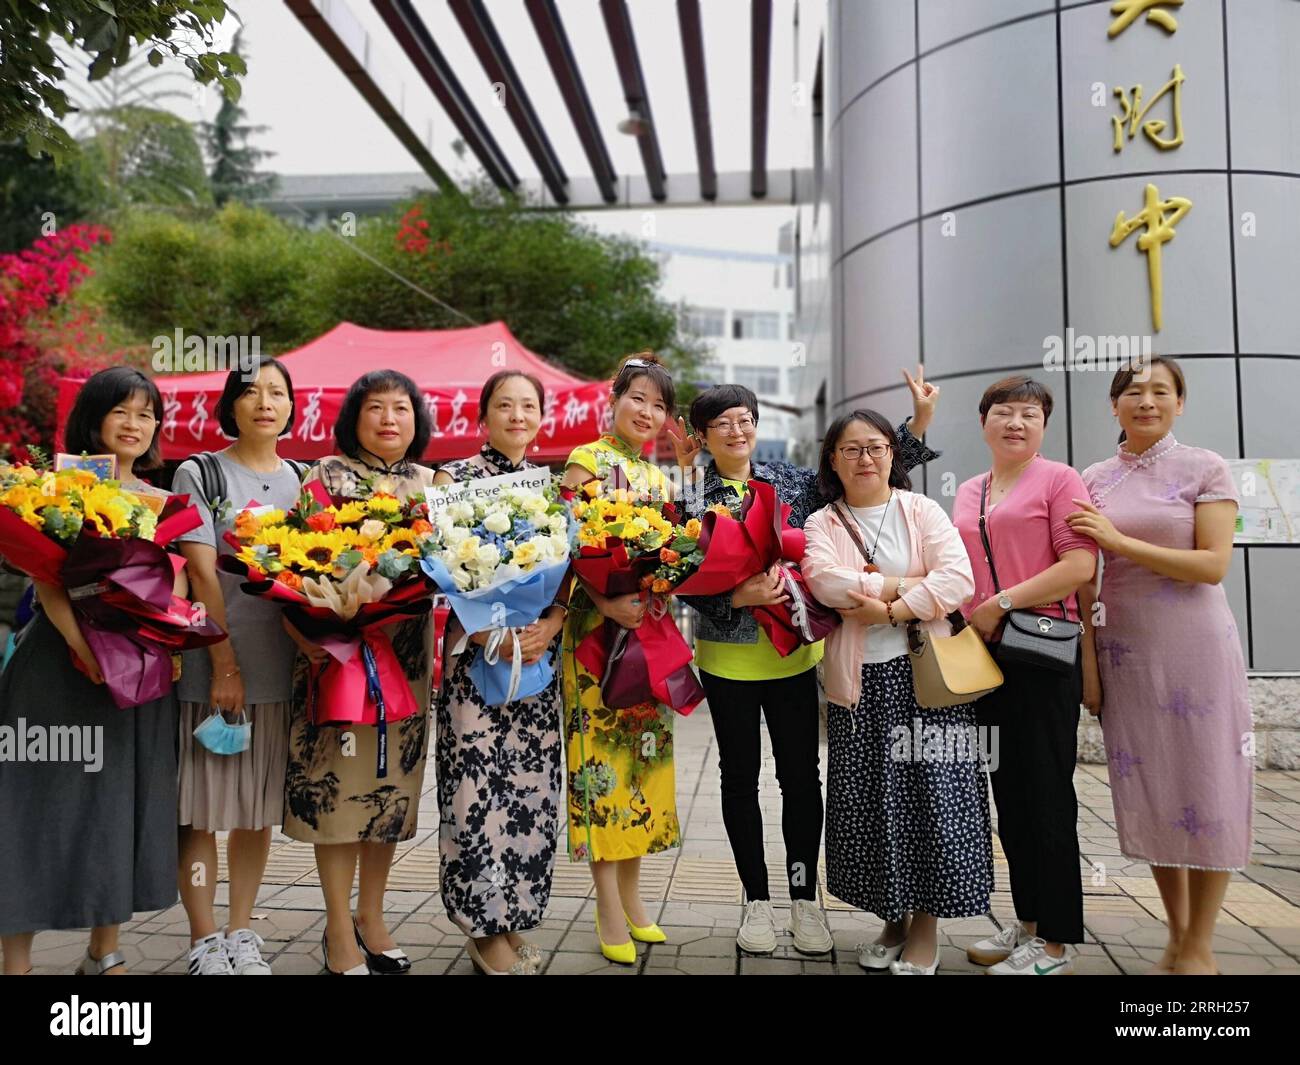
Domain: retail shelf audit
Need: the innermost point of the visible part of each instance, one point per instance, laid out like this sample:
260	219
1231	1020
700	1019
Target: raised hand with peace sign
925	396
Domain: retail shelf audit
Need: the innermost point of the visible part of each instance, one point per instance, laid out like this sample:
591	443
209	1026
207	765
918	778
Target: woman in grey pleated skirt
243	793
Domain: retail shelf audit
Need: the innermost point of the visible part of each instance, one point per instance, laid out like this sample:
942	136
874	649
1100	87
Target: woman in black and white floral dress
499	767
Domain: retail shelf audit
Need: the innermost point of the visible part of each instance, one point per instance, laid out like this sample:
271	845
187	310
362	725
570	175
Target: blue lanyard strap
375	692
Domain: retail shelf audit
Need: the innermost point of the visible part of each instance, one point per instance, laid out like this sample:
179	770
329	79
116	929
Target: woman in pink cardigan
907	819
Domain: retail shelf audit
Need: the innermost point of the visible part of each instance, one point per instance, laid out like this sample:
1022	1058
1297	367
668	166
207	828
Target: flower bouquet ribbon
499	554
341	608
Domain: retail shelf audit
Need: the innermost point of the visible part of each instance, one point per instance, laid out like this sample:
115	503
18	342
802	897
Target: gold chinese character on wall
1159	231
1129	11
1135	114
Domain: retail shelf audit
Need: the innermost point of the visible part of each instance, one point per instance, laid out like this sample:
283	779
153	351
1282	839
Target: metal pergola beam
411	33
333	41
688	20
618	24
761	70
555	43
482	35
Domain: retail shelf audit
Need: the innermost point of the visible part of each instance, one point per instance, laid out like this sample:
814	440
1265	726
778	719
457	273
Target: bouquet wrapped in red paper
628	543
801	619
106	546
342	569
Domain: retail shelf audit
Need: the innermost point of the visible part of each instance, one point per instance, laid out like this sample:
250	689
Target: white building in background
741	306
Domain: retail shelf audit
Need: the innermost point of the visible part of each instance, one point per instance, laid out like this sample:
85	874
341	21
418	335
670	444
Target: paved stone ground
697	897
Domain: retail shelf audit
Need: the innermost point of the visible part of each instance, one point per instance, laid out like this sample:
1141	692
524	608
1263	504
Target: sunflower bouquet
320	545
499	553
342	569
106	545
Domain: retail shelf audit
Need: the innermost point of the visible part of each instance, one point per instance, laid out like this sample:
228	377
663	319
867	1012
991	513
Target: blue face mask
221	737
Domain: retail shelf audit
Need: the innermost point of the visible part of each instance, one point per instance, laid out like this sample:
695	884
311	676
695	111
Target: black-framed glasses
852	452
741	425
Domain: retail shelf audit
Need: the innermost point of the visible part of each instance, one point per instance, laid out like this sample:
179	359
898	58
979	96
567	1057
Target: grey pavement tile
770	967
587	963
690	966
690	890
710	946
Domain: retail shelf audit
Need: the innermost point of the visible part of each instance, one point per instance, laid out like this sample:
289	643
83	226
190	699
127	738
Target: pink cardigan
833	566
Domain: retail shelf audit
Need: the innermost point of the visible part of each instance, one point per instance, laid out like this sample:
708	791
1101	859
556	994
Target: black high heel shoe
356	970
389	963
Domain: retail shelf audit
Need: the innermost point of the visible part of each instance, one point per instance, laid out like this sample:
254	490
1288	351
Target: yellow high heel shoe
650	933
622	953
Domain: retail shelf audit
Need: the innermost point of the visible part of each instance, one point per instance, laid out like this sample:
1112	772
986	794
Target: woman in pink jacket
907	819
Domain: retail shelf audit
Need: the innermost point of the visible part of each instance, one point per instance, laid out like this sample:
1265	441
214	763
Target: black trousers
1036	714
791	709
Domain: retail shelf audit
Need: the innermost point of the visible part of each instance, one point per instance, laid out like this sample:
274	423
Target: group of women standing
907	839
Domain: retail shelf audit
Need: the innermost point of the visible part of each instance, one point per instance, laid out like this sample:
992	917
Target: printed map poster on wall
1270	500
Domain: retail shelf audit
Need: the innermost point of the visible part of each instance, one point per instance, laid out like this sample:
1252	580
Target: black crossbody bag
1031	638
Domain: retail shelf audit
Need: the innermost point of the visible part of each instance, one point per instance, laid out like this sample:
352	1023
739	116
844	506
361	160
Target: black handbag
1030	638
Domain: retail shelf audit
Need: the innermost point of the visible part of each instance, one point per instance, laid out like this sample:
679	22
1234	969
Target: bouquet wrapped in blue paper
499	553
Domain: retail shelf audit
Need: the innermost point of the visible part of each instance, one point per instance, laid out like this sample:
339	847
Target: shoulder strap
212	478
984	536
852	526
300	468
988	548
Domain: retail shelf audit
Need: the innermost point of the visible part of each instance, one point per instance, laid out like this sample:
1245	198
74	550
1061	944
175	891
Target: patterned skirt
499	781
907	813
331	791
622	784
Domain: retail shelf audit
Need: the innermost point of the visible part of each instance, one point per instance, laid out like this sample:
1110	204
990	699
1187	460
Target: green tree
234	173
578	297
35	197
239	271
32	103
581	298
142	155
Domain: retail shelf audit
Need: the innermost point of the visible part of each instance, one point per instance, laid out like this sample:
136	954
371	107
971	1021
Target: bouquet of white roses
499	551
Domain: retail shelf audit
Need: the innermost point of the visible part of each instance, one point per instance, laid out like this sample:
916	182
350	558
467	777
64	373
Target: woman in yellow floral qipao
621	783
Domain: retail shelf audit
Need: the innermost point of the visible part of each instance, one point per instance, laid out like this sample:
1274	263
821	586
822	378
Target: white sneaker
208	957
999	947
245	958
808	926
1032	959
757	933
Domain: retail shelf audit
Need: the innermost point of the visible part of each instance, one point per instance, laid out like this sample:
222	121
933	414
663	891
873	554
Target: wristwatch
1004	601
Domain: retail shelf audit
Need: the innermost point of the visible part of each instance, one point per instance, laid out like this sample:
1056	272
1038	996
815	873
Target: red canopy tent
448	365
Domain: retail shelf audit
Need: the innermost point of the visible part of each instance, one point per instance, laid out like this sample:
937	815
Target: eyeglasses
852	452
744	425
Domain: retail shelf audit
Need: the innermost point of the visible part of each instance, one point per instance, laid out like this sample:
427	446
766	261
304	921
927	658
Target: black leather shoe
389	963
356	970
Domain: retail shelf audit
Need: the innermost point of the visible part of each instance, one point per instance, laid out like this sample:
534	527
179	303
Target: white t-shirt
893	555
